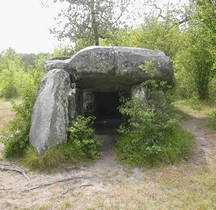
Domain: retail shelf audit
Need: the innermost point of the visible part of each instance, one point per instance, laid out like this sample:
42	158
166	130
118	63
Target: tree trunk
94	24
97	40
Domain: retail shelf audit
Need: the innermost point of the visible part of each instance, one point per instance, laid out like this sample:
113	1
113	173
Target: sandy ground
106	184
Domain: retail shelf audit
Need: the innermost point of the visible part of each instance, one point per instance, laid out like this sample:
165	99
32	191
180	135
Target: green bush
10	68
17	135
82	135
153	134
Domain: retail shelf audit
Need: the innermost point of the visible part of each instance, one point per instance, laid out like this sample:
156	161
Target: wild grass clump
81	146
53	157
212	120
153	134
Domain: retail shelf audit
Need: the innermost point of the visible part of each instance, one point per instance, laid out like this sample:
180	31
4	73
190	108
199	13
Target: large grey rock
115	68
50	114
144	97
138	93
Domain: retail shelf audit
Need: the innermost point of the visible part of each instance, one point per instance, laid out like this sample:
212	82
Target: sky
24	26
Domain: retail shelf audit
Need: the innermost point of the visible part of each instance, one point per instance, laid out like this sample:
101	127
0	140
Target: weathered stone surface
50	114
88	103
57	63
73	102
138	93
115	68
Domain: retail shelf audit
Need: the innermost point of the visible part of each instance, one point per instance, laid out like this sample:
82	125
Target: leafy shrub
17	136
10	68
82	145
153	134
82	135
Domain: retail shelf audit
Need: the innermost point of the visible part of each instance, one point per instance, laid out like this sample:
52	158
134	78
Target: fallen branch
15	170
54	182
86	185
6	189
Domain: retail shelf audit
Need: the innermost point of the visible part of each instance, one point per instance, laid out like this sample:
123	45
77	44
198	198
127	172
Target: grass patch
194	106
206	111
177	146
153	134
53	158
6	113
211	121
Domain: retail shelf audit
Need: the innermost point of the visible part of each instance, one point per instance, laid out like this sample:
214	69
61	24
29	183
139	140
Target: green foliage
34	60
153	34
10	69
81	135
63	51
15	75
86	22
82	145
185	85
153	134
159	35
195	62
18	131
212	92
201	49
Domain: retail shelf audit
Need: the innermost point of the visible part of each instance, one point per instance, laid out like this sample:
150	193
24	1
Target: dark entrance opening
108	117
106	105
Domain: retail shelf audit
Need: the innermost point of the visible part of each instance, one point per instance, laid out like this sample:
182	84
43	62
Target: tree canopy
85	22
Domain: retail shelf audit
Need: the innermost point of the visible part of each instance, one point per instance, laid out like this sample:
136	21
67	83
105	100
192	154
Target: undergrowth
153	134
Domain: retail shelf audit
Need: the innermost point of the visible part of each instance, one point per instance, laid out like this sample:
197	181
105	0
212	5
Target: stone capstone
51	114
115	68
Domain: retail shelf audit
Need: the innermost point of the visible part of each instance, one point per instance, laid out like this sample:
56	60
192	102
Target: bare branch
15	170
54	182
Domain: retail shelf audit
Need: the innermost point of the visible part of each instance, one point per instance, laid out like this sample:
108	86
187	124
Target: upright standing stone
138	93
50	116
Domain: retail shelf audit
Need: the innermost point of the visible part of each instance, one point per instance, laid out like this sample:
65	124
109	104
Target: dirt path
106	184
17	192
205	151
